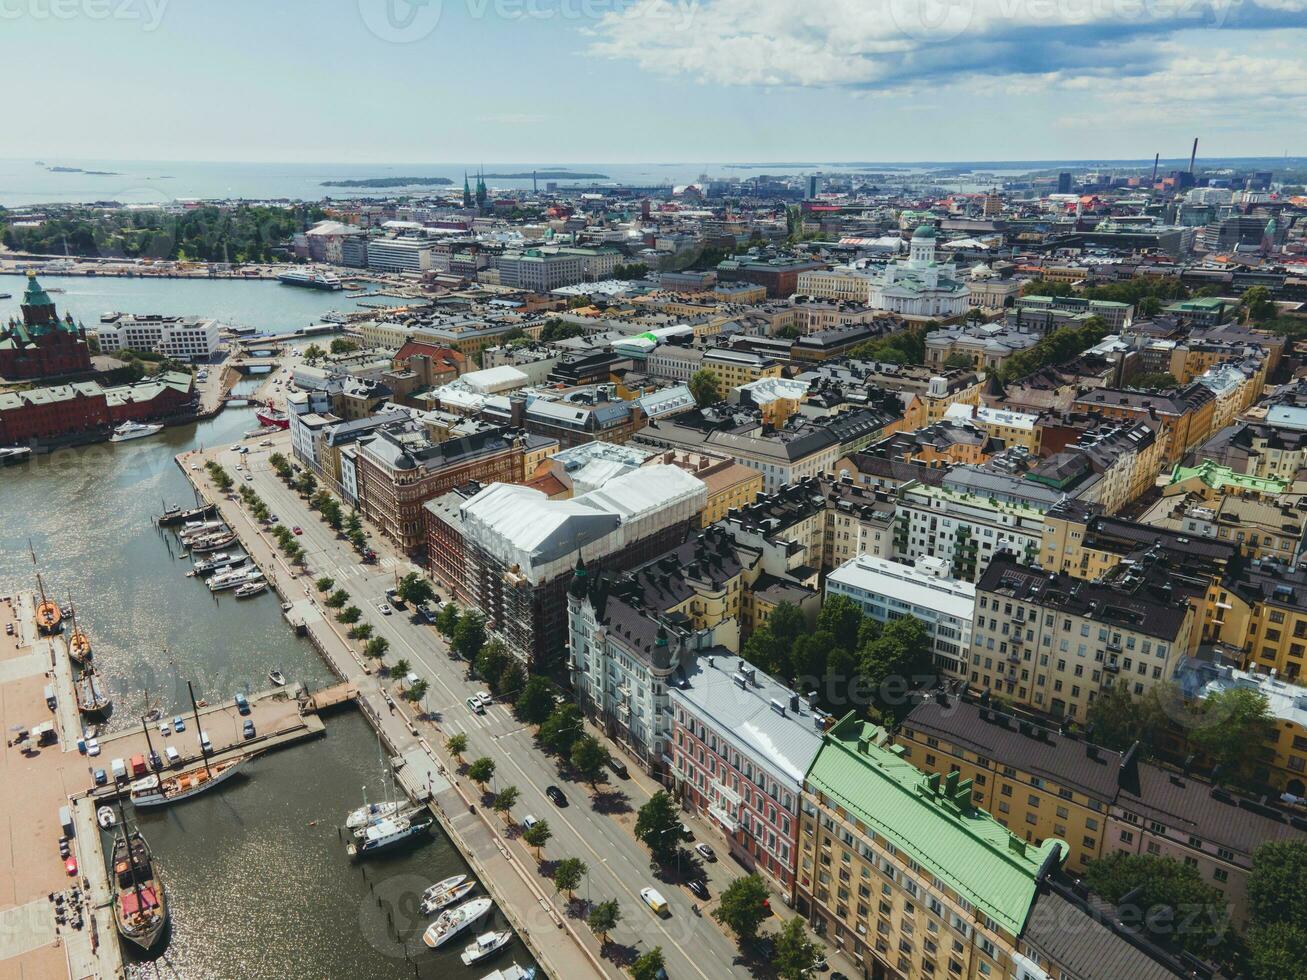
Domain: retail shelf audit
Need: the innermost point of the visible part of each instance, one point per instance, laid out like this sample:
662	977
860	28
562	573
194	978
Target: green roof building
1210	477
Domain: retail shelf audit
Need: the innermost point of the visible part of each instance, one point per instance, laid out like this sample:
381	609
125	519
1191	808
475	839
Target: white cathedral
921	287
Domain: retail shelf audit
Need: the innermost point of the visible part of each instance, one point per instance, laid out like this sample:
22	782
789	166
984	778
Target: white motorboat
219	583
277	677
105	818
249	589
213	543
487	945
224	559
199	529
454	921
514	971
445	893
389	832
368	812
134	430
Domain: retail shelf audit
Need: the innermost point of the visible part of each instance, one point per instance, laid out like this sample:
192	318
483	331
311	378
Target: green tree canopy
706	387
589	758
415	589
743	907
603	918
505	800
568	874
658	827
456	745
537	835
796	955
469	635
1163	882
1230	724
447	620
649	965
536	701
1277	884
562	728
481	771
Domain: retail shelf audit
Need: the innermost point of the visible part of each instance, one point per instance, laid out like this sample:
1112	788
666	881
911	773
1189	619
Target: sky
625	81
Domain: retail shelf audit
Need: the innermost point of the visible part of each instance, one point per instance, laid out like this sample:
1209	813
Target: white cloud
893	43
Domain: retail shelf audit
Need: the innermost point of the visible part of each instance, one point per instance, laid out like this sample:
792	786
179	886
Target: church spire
467	191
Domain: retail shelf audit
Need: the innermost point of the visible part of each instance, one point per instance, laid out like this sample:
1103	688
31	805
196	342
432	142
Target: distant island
547	175
390	182
79	170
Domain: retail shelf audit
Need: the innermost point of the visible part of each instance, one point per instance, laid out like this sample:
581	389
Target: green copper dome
34	294
925	231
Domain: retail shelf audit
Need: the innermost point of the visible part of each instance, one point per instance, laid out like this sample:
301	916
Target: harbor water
259	881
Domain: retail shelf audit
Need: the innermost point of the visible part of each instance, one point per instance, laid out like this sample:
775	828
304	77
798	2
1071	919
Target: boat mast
195	710
131	853
148	744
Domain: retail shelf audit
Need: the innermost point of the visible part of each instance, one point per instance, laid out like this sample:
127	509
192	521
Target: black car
619	767
556	796
697	888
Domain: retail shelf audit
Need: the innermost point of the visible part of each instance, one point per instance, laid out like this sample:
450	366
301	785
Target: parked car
242	705
705	852
248	730
164	727
385	609
101	777
297	529
556	796
92	747
178	724
698	888
529	821
474	705
619	768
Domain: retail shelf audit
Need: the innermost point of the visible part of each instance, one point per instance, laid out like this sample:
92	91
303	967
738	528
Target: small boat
513	971
214	543
438	896
249	589
105	818
13	455
92	699
454	921
134	430
175	516
389	832
277	677
140	907
487	945
79	646
49	617
155	791
200	529
273	418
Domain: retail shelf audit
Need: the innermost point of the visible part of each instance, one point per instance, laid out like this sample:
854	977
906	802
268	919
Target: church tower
467	191
922	252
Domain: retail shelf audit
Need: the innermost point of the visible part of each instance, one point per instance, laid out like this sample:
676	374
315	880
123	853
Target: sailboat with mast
140	904
360	817
49	617
158	789
79	644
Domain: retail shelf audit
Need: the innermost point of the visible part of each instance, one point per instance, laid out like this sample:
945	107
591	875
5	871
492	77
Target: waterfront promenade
506	871
35	782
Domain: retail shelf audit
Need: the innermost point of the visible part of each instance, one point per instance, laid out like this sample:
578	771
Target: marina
151	633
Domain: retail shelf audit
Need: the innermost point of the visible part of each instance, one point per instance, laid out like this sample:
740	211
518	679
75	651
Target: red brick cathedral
40	345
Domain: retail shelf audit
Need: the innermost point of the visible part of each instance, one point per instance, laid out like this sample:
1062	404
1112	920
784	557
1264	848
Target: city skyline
588	80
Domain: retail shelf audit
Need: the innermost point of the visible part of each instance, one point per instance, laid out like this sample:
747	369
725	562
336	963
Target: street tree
447	620
469	635
562	728
400	668
360	631
511	679
603	919
336	599
505	800
535	701
658	827
313	353
589	758
456	745
376	647
648	966
1227	724
568	875
325	583
481	771
491	661
537	835
349	615
795	956
743	907
1157	882
415	590
417	690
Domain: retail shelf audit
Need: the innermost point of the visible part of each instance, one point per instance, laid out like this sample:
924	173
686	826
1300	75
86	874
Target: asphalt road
619	866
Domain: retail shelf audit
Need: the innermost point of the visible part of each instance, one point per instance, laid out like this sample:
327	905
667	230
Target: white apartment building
841	283
964	530
184	338
540	271
399	255
887	590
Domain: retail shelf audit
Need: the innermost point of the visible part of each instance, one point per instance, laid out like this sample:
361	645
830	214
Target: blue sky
652	80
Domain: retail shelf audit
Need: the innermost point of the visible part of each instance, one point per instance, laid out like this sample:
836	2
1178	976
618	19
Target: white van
204	742
119	769
174	757
529	821
654	899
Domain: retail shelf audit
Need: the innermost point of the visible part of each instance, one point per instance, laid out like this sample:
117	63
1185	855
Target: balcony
723	817
1112	666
